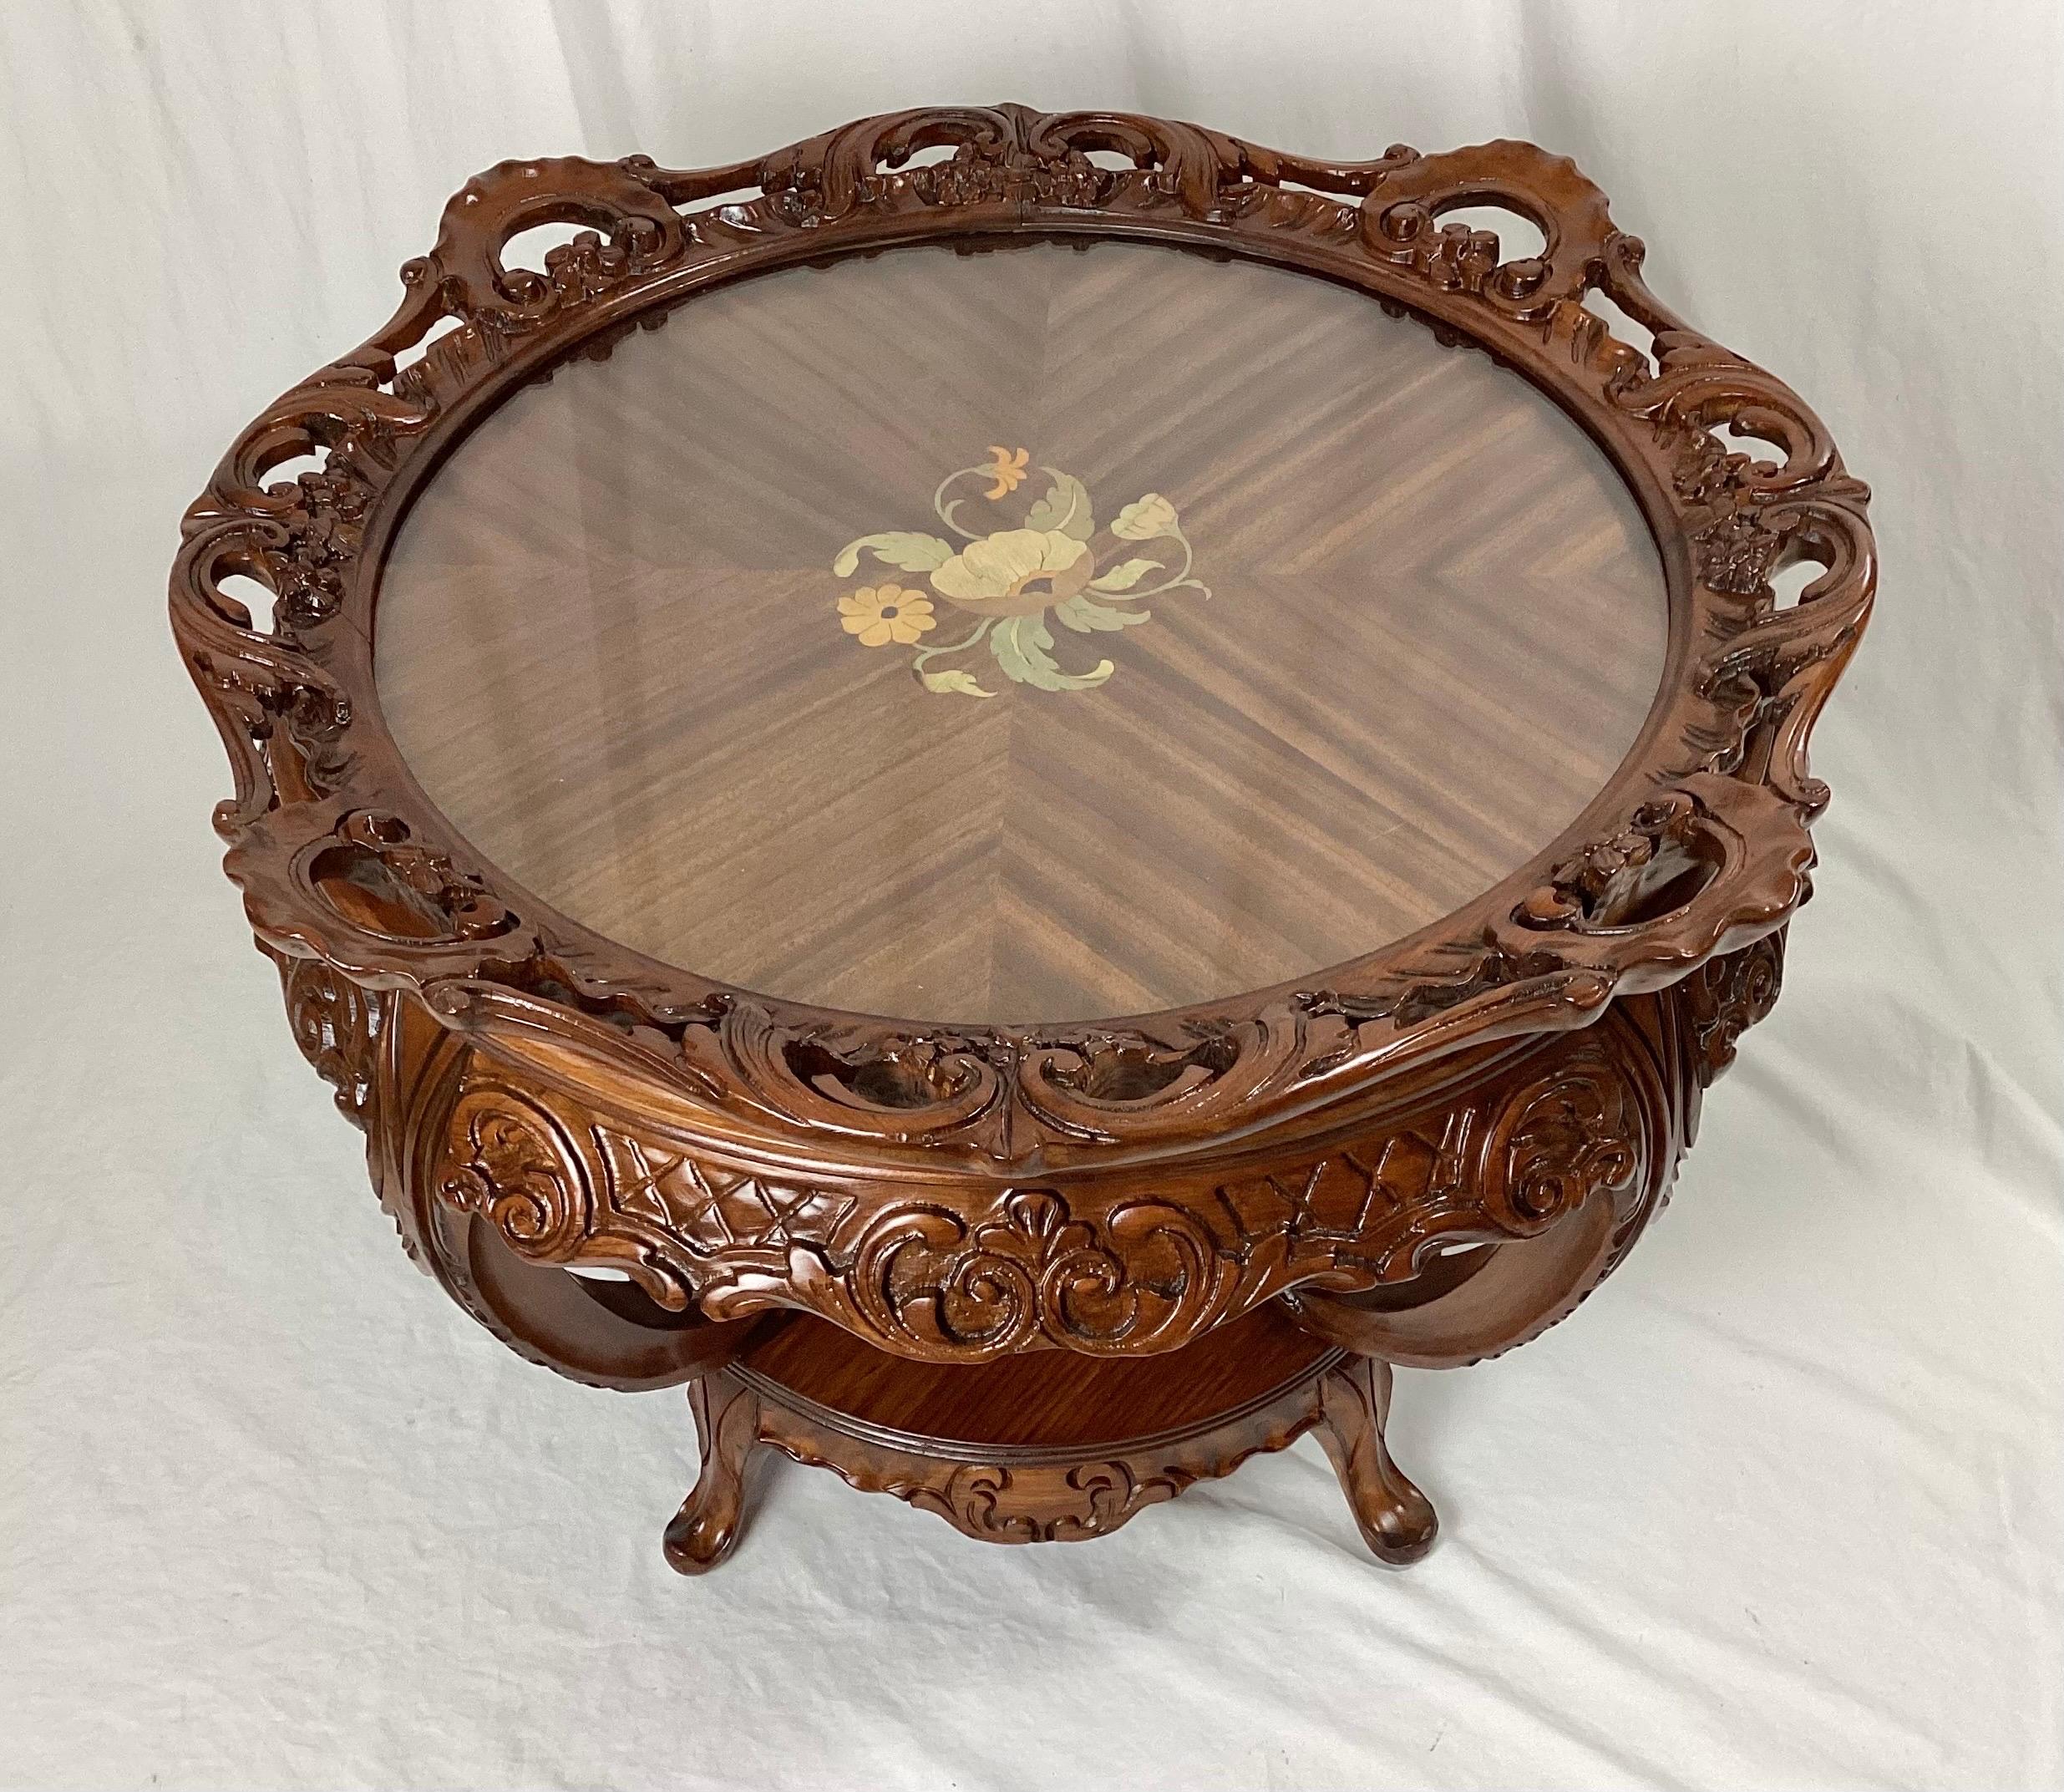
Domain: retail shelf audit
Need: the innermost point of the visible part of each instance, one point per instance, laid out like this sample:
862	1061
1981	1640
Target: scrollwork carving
1744	518
1022	1496
1559	1141
1099	1267
1704	833
1069	1499
1406	1002
956	1192
1431	1153
377	875
1725	997
337	1026
511	1162
928	1283
1001	1505
561	1190
296	703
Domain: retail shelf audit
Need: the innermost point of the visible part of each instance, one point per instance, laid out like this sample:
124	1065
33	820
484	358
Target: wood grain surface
1042	1399
633	646
608	641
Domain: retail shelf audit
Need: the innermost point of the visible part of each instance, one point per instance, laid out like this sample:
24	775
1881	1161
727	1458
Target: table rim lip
449	438
1716	776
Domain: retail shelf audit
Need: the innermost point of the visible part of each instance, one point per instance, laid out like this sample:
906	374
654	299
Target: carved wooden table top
1321	629
1023	794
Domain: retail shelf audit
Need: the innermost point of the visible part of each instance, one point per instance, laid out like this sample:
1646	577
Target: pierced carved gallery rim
745	704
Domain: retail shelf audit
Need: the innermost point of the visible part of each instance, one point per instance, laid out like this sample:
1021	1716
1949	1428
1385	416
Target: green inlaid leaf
1084	614
1020	644
1124	576
1003	642
900	547
962	684
1065	507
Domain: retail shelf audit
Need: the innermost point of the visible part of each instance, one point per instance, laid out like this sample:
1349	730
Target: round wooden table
1024	793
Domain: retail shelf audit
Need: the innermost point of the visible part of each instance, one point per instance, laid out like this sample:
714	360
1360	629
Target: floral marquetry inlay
1015	571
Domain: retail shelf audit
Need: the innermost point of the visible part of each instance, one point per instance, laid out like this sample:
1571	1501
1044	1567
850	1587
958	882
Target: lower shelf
1044	1447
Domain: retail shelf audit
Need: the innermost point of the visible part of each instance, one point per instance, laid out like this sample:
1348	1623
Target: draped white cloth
1783	1508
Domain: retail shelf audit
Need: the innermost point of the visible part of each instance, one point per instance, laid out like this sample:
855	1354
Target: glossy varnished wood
1039	1402
1010	1456
1049	1272
608	635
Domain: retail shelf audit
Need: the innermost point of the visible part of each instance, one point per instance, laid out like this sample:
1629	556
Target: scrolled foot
1397	1520
705	1528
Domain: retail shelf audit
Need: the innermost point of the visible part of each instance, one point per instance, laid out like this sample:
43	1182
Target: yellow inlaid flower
881	613
1015	572
1007	470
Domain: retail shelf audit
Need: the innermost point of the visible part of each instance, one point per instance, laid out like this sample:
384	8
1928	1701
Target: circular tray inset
1022	635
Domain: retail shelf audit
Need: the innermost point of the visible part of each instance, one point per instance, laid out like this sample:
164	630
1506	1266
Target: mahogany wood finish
1426	623
1029	1271
1044	1449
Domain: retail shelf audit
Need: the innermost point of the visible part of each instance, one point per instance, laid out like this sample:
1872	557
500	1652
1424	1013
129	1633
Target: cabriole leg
1397	1520
727	1420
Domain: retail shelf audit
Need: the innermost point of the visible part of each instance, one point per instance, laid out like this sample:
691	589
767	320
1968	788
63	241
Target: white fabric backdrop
1784	1508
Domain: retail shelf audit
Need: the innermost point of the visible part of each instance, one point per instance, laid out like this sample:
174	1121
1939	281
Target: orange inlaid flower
1007	470
881	613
